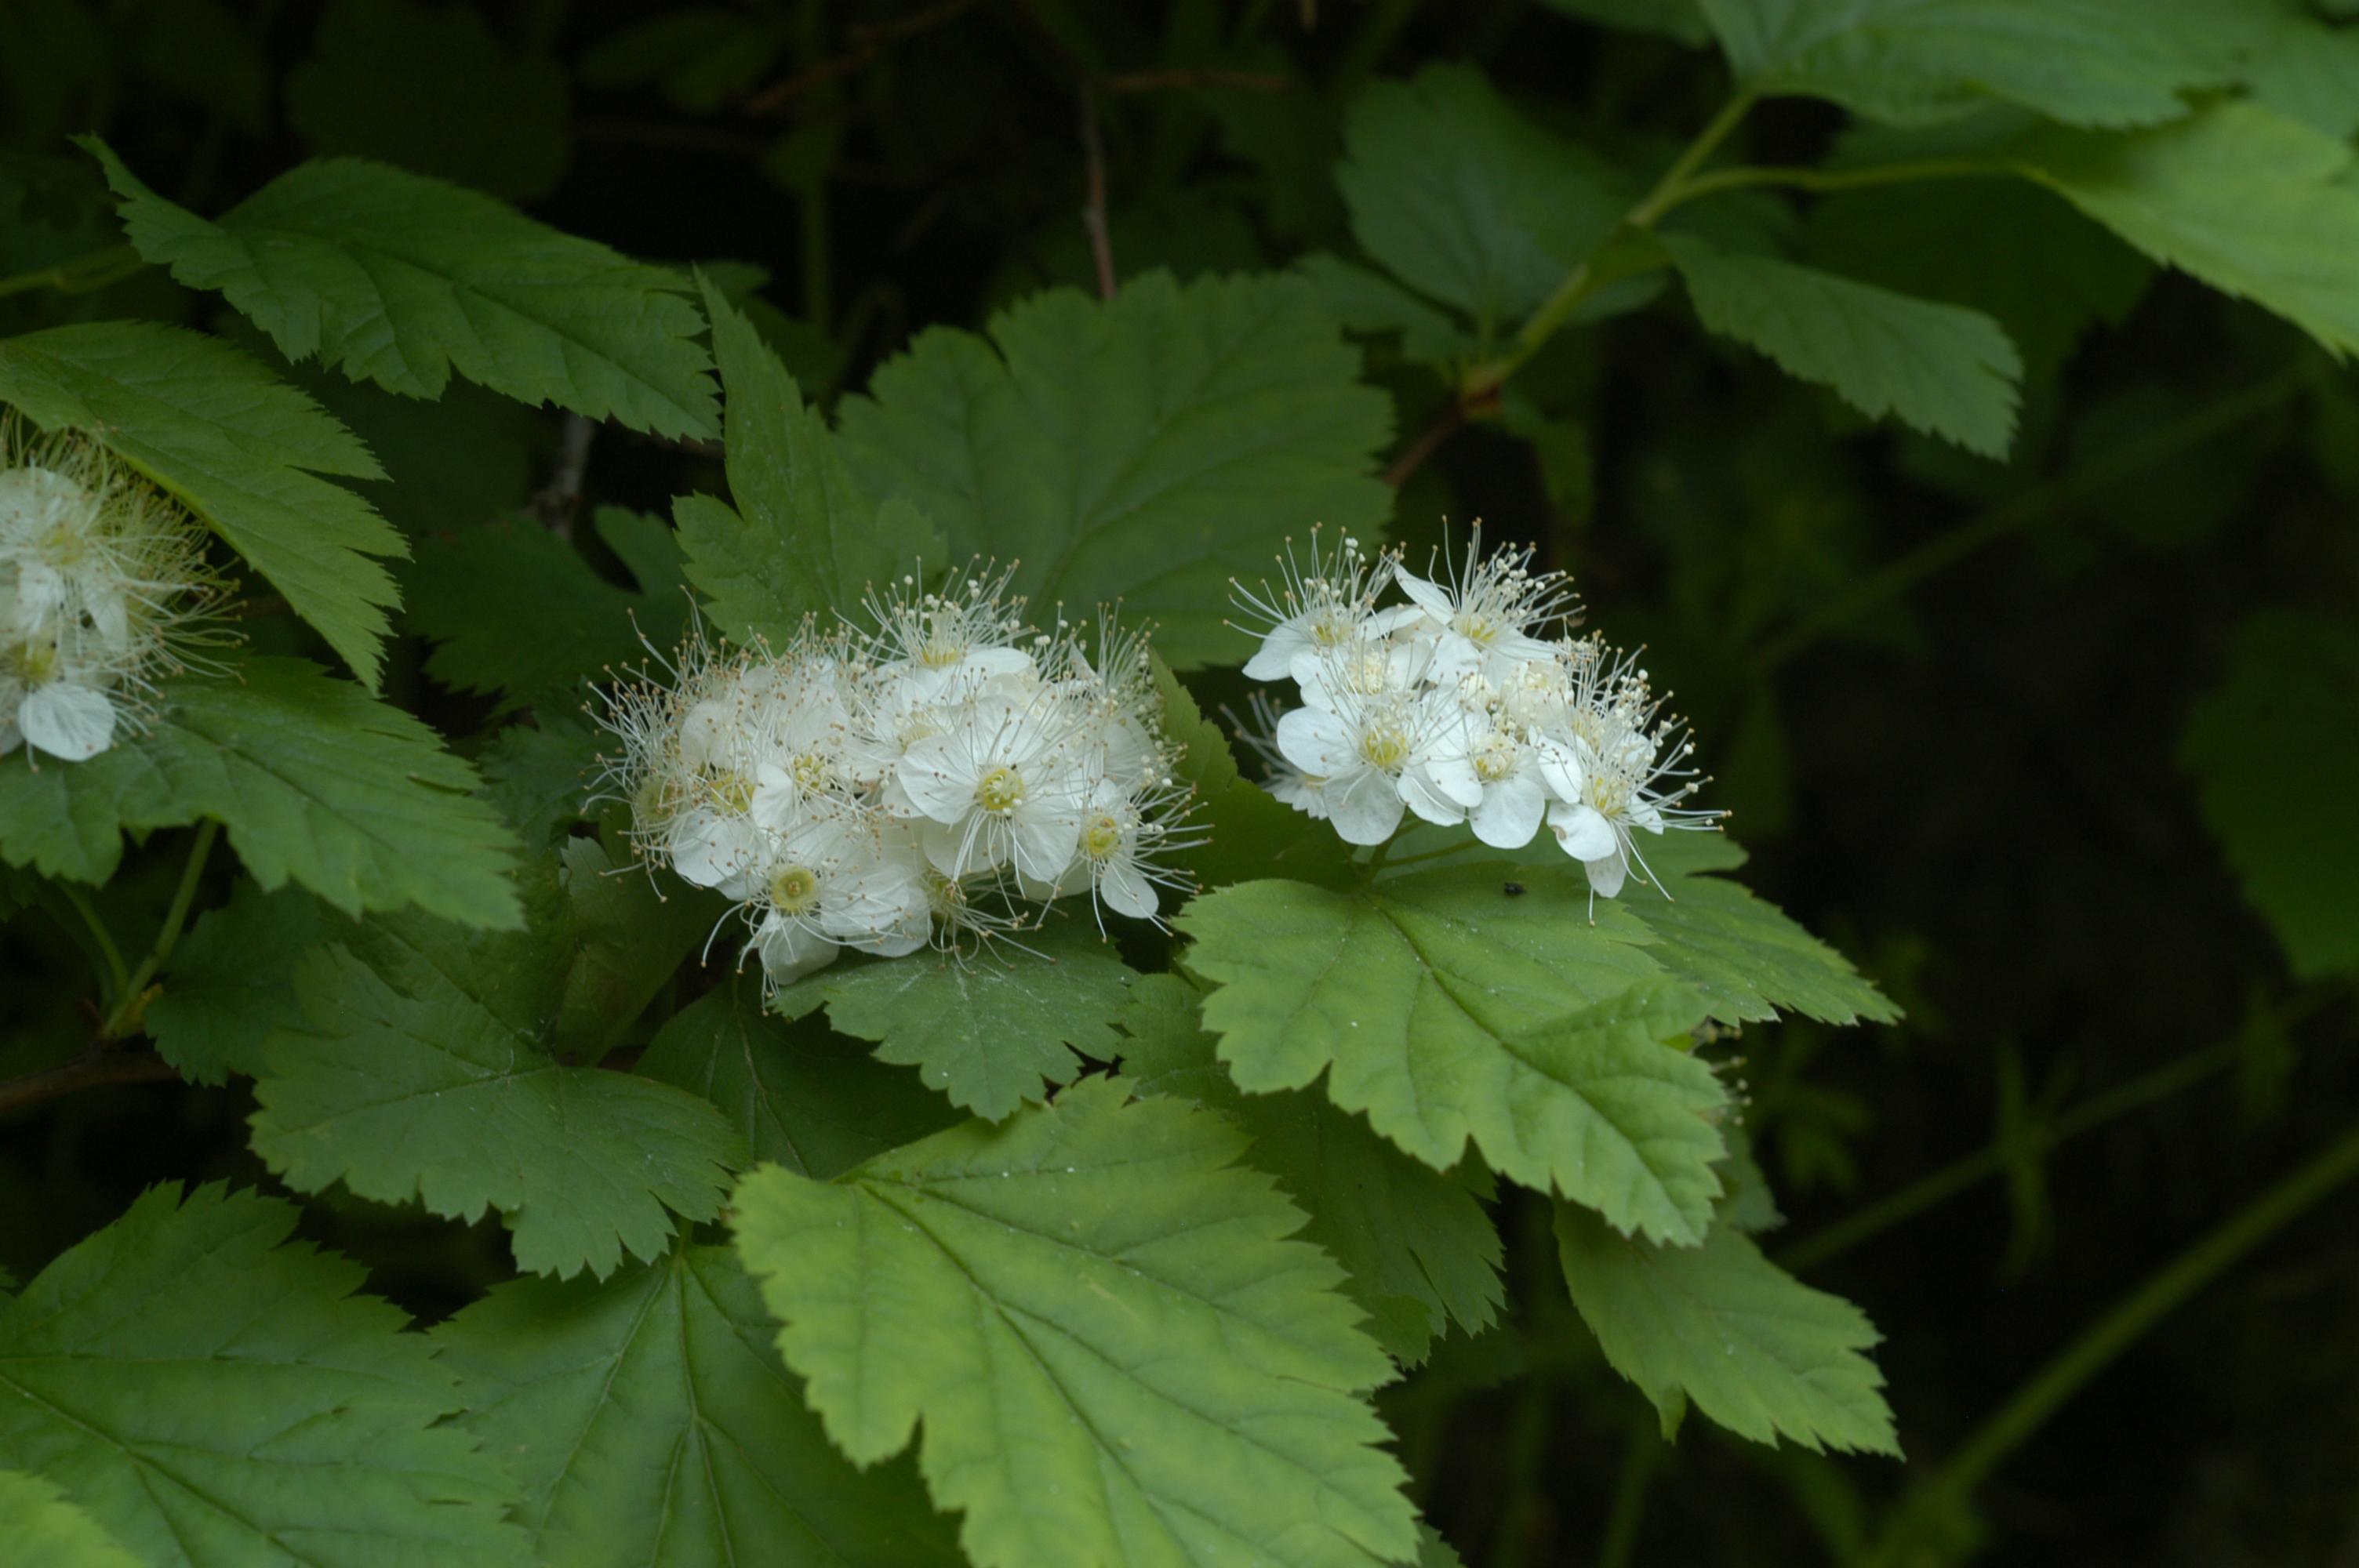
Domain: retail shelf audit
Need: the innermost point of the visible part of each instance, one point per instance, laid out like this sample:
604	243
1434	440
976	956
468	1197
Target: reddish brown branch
868	43
1093	213
1428	442
93	1070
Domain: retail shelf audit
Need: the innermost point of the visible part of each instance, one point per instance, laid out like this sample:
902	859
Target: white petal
1510	812
1561	768
1274	658
1419	792
1127	892
938	775
1583	831
1384	623
1319	743
957	848
1364	806
1432	598
711	849
1605	876
1045	841
67	721
1453	775
790	950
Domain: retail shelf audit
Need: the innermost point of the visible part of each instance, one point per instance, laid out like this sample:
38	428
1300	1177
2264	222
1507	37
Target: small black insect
1514	889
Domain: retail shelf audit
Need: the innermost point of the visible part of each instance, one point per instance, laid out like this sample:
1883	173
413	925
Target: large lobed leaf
317	783
1418	1250
649	1421
1942	368
1447	1010
1146	448
245	450
402	279
804	539
1460	196
2085	63
2256	205
1117	1355
1754	1350
464	590
213	1396
426	1071
990	1029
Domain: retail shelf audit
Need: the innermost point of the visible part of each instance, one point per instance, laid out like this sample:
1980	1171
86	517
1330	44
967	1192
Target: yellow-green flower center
795	891
1383	747
732	789
1001	789
810	770
1102	838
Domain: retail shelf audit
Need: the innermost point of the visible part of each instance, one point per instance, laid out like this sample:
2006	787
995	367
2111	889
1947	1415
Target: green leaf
1445	1009
464	588
231	981
1746	959
1419	1251
804	539
401	279
1464	200
432	91
425	1073
2256	205
1116	1355
211	1397
44	1531
538	775
317	782
240	447
801	1094
1756	1350
990	1029
650	1421
2275	729
2020	255
1145	449
1941	368
1365	301
2085	63
627	935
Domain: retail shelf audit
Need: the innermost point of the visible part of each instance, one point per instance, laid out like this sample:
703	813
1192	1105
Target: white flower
999	784
881	788
830	882
99	576
1380	752
1487	618
1625	757
945	643
1306	793
1324	607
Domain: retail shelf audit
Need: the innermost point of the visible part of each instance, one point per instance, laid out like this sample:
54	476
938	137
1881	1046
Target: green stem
2110	1105
1824	181
1586	279
1617	1546
129	1005
2071	1368
94	269
117	975
2012	516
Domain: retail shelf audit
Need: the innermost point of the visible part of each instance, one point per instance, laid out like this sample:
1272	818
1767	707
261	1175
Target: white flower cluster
923	778
98	573
1469	703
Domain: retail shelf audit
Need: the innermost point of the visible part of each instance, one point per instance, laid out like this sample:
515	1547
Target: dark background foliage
1944	697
